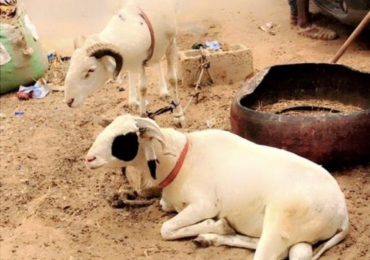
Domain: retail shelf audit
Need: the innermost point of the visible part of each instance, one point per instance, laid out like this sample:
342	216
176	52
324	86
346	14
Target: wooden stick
350	39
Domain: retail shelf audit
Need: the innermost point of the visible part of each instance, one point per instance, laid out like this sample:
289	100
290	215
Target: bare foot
317	32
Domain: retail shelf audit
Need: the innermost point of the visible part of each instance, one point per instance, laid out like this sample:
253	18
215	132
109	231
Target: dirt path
51	207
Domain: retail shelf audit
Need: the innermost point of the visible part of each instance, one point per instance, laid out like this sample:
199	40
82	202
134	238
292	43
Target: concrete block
226	66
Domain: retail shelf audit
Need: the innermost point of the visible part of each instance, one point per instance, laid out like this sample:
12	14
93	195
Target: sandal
317	32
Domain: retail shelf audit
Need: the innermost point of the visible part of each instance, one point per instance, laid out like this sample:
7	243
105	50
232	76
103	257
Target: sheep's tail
338	237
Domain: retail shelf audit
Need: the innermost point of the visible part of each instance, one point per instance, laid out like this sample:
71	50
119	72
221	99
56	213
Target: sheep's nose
90	158
70	102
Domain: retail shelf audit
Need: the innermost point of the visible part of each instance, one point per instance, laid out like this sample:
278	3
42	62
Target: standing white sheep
79	42
219	183
140	34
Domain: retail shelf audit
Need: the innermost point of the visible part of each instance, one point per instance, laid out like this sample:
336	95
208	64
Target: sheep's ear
125	147
148	128
152	164
150	156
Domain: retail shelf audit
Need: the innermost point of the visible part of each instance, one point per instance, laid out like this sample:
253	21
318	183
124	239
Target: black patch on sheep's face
125	147
152	164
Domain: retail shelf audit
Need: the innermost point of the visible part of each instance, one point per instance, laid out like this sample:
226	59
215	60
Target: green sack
22	58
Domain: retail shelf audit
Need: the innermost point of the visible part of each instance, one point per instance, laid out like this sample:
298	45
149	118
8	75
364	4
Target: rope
163	110
204	66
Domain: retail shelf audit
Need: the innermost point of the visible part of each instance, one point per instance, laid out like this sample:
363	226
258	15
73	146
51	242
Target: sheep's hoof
179	120
226	229
145	115
133	104
205	240
164	95
118	81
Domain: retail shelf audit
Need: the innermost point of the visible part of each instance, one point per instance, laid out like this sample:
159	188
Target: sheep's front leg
143	86
195	220
133	103
165	207
119	78
144	188
117	81
178	114
162	85
206	240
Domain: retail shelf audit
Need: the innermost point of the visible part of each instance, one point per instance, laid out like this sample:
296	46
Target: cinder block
226	66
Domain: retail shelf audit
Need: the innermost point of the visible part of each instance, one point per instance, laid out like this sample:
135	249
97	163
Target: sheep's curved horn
149	128
79	41
100	50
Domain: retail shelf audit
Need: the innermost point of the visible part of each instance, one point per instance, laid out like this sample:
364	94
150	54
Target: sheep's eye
89	72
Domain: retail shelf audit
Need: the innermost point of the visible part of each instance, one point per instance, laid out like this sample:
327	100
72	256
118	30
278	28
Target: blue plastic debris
19	113
215	45
32	92
51	56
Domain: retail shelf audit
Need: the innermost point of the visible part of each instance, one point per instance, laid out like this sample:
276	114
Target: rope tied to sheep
203	67
163	110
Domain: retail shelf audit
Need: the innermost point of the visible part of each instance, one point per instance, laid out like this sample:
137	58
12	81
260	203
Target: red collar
152	37
177	167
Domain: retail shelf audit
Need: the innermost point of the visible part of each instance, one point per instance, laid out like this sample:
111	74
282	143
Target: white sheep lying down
140	34
228	190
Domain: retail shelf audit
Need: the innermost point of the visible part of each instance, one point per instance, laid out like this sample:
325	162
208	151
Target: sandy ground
52	207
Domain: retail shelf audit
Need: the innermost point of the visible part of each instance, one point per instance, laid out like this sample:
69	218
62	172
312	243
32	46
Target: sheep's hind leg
242	241
178	114
195	220
275	241
162	85
143	86
133	103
